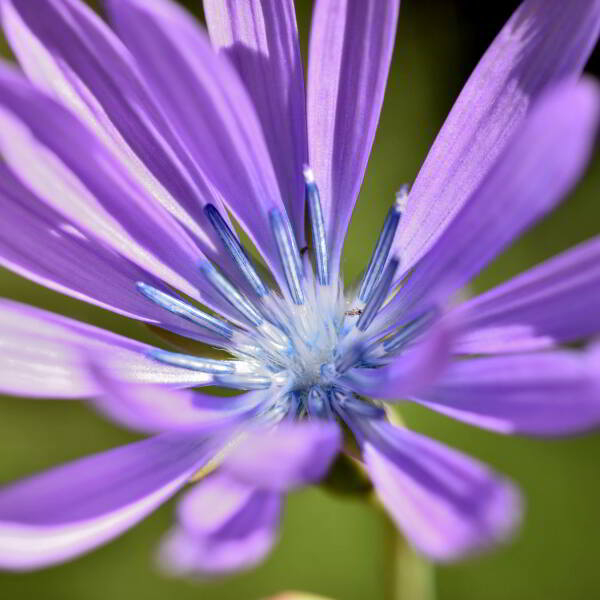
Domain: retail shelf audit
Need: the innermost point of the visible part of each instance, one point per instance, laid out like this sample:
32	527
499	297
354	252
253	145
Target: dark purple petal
45	355
49	150
224	526
538	167
554	302
351	47
286	456
66	50
544	42
261	41
447	504
413	370
41	244
49	518
208	107
555	393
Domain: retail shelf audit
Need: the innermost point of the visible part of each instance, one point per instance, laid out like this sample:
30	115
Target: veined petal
286	456
555	302
350	52
49	149
261	41
66	50
447	504
210	110
538	167
223	526
543	43
69	510
45	355
550	393
41	244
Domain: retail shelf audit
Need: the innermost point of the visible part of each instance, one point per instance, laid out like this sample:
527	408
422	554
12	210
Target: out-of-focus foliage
333	545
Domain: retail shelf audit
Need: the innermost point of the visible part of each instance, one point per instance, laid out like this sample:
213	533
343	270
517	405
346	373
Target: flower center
306	344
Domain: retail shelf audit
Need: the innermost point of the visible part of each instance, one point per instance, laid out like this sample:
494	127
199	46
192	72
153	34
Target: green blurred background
330	545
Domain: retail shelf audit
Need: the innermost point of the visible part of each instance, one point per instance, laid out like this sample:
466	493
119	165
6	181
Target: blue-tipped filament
383	246
187	311
236	250
315	211
378	296
309	347
287	255
230	293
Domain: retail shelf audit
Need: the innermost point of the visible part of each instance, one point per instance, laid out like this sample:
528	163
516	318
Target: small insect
303	250
354	312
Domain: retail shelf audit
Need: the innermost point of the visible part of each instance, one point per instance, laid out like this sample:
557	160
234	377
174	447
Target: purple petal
66	511
538	167
153	409
286	456
49	150
208	107
69	52
41	244
45	355
351	47
410	372
555	302
261	41
553	393
224	526
447	504
544	42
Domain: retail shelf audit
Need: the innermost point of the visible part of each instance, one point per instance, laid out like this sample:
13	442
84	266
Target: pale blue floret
317	223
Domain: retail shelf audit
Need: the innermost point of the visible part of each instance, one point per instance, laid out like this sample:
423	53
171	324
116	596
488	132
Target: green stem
407	575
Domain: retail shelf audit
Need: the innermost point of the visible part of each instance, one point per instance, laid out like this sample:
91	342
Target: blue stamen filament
308	346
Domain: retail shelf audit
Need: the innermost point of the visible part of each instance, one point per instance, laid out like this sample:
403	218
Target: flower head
129	157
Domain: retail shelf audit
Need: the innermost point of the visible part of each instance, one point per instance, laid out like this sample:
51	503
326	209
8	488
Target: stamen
230	293
285	246
352	404
382	248
378	296
318	225
195	363
349	358
244	382
409	331
236	250
185	310
317	403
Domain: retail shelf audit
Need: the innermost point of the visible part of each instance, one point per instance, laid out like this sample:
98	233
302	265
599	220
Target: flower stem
407	575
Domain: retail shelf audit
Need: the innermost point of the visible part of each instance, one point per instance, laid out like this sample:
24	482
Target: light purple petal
350	52
411	371
554	393
261	41
544	42
153	409
45	355
39	243
447	504
66	50
555	302
66	511
286	456
224	526
209	108
49	149
538	167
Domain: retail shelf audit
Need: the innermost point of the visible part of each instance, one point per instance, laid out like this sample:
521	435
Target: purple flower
125	155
